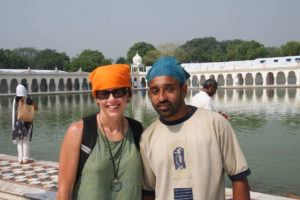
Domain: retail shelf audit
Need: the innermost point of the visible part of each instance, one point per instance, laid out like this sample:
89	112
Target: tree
291	48
141	48
246	51
88	60
121	60
49	59
151	57
27	54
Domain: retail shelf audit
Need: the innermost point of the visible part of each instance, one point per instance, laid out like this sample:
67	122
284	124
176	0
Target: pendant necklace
116	184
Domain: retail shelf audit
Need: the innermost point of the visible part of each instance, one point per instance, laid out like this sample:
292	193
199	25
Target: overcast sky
113	26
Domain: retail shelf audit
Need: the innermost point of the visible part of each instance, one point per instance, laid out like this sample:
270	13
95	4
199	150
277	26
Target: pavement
38	180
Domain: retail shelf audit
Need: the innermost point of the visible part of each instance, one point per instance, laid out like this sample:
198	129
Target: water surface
266	121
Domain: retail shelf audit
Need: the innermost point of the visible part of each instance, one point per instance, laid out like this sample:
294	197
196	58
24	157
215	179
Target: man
187	150
203	98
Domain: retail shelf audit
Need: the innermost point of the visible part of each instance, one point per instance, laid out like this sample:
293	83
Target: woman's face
112	101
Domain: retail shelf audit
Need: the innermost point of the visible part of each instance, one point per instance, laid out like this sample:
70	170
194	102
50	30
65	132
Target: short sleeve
149	178
234	160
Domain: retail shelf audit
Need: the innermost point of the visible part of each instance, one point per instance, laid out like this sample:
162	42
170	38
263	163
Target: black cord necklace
116	184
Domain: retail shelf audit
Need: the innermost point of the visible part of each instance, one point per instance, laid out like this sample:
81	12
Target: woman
22	131
113	167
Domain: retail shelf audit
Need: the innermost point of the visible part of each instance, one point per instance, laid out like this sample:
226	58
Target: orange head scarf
110	76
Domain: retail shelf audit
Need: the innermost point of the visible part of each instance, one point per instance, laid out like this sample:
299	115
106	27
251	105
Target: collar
181	120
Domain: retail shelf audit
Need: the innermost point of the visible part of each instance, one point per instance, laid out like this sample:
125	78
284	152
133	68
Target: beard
170	108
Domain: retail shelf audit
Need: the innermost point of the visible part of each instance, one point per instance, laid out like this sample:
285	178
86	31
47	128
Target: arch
292	79
90	86
280	78
13	85
194	81
69	86
43	85
143	83
249	79
84	84
52	85
259	79
270	78
34	85
221	80
24	82
240	79
229	80
202	79
3	86
76	84
61	85
212	76
188	82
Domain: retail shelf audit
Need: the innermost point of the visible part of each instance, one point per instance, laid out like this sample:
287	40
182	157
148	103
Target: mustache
163	102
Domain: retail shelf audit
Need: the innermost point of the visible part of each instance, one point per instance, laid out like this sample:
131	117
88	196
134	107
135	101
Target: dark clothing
21	128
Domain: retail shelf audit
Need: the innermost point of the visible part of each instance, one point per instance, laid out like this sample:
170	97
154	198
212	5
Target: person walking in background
22	130
203	98
99	157
186	152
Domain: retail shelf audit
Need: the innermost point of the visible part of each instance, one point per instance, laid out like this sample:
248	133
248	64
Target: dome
137	59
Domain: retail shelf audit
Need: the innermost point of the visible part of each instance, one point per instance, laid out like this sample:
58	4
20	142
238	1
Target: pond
266	122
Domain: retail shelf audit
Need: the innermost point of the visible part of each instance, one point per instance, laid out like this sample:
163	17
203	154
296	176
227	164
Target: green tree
27	54
141	48
88	60
291	48
151	57
247	51
49	59
121	60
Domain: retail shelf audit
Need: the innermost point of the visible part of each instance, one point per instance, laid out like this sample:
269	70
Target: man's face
167	97
211	91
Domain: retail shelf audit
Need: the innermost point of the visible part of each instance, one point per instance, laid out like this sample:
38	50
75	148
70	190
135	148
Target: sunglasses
117	93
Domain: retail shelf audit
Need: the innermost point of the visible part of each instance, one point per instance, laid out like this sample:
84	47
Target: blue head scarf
167	66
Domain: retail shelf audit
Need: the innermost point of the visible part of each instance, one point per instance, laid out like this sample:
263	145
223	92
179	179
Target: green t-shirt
98	171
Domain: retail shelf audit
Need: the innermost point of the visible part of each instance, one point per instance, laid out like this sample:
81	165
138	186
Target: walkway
38	180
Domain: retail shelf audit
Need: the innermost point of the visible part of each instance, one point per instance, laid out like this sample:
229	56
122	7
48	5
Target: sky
113	26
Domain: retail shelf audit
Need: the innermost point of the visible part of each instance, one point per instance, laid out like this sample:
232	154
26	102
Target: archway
52	85
240	79
76	84
3	86
292	79
43	85
270	78
61	85
69	86
280	78
221	80
143	82
202	79
13	85
258	79
34	85
194	81
229	80
249	79
84	84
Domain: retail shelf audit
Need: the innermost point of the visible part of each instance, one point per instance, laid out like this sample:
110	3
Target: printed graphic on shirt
183	194
179	160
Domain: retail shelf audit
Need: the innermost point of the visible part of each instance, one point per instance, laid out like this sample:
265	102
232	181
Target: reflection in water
266	121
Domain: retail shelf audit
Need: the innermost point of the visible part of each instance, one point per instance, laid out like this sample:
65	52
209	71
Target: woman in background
22	131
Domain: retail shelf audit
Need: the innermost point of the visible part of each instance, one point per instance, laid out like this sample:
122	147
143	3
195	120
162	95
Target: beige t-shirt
187	160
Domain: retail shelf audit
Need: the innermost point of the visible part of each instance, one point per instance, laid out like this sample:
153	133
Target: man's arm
240	189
